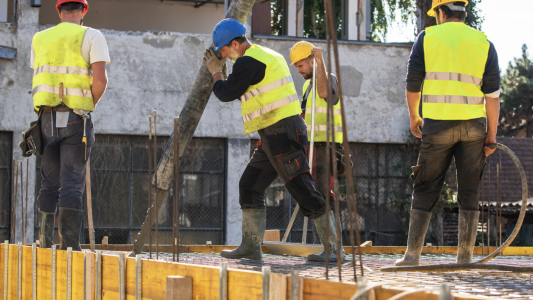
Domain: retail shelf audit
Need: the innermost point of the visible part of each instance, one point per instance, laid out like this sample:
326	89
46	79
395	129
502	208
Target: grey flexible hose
479	264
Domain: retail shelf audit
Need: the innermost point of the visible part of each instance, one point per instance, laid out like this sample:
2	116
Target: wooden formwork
242	284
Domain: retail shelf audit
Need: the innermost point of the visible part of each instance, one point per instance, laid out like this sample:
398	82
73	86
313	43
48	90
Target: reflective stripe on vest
455	56
321	117
58	59
274	98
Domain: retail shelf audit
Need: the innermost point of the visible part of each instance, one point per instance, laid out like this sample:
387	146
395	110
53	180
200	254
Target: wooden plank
278	287
128	248
110	277
2	270
12	277
386	292
90	273
179	288
77	275
130	278
61	276
314	289
44	267
272	235
518	251
26	273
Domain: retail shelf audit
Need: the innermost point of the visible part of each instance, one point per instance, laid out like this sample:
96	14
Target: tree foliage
516	112
383	15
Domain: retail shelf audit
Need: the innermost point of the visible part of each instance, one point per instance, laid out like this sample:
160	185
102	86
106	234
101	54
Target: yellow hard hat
437	3
301	50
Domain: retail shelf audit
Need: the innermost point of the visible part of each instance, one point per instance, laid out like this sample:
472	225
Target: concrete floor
501	285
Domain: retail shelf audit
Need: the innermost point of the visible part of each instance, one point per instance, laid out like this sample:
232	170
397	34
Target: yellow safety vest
455	56
321	117
274	98
58	59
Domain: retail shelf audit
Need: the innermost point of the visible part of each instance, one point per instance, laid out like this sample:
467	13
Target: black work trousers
281	154
463	142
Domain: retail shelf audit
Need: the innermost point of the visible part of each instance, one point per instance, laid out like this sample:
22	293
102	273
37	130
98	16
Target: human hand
317	53
212	63
489	139
416	123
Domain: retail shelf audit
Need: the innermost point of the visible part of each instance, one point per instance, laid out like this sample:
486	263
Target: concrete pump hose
512	236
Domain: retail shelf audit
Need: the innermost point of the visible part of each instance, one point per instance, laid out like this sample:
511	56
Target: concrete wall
155	70
142	15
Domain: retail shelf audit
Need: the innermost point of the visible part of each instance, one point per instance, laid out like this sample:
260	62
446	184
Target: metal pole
34	271
138	277
69	273
500	198
21	203
26	212
15	203
223	277
90	205
488	217
156	187
266	282
349	179
12	237
177	187
483	215
150	182
54	273
122	276
328	145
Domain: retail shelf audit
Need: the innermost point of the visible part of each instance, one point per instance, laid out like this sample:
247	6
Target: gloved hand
212	63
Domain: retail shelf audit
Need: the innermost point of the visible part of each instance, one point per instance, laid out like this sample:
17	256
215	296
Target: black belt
59	108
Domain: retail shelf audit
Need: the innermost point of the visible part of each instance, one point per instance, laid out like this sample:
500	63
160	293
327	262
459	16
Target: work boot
46	234
253	231
70	221
320	225
418	227
468	220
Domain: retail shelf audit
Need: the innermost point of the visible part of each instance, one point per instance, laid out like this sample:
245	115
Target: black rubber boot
320	225
418	227
468	220
253	231
46	234
70	221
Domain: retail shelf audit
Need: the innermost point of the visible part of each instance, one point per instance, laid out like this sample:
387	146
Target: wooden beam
179	288
272	235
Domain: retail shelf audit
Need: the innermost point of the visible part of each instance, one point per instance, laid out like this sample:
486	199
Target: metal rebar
21	203
26	212
150	182
488	216
500	199
483	215
349	178
12	236
177	186
15	203
155	197
328	149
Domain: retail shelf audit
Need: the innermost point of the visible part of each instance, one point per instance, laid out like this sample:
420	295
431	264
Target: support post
121	276
266	282
138	277
6	263
98	275
296	290
54	273
33	271
223	281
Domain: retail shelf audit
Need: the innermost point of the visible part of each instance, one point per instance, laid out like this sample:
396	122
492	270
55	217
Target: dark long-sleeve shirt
247	71
416	72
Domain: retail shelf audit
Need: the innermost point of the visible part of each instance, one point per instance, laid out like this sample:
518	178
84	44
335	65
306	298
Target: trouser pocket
295	163
417	174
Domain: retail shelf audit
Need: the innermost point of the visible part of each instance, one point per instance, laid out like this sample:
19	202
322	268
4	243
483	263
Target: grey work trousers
463	142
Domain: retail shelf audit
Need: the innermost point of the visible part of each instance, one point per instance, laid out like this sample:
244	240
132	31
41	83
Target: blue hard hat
225	31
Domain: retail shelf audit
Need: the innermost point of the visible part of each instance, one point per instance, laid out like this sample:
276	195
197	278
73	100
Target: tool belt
31	139
59	108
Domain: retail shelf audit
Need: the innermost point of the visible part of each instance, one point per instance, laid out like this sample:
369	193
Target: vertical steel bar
156	211
15	203
138	277
98	275
500	198
177	185
121	276
26	211
150	182
53	274
328	144
69	273
34	271
12	236
6	268
295	285
21	203
349	180
19	271
488	216
266	282
483	215
223	292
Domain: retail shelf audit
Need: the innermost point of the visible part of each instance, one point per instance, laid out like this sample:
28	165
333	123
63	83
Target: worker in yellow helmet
458	68
261	80
303	54
69	78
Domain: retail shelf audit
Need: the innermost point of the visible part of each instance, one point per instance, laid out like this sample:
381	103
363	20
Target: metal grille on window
119	180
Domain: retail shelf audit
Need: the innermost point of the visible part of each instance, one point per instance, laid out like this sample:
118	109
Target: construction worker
269	104
458	68
303	54
69	78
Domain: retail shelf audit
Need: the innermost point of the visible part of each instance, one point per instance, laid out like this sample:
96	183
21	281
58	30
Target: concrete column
352	15
291	17
300	18
238	157
362	18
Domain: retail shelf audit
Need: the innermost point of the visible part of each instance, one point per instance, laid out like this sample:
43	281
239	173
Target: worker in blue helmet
262	81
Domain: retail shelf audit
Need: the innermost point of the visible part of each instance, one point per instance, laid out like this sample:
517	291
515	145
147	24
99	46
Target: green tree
315	18
383	15
517	97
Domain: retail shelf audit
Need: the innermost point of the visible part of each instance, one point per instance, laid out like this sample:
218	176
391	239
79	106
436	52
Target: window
6	164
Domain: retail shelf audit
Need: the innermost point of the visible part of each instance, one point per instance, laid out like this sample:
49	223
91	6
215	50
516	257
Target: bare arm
99	81
321	77
493	113
413	102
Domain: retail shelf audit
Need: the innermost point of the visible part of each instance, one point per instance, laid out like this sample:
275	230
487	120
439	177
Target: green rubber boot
253	231
320	225
46	233
418	227
468	220
70	221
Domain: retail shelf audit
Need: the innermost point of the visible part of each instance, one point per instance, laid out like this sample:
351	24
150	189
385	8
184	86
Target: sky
506	24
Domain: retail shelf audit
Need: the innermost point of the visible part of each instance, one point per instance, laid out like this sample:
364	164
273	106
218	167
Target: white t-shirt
93	48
